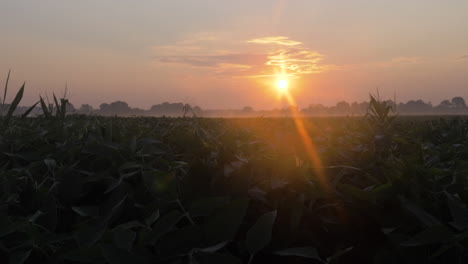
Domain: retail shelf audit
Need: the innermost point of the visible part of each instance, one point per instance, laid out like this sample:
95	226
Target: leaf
124	238
6	87
131	224
424	217
118	256
213	248
19	257
349	190
181	241
164	225
25	114
44	107
86	210
14	104
432	235
152	218
110	208
459	213
305	252
223	224
217	258
115	183
89	235
6	227
206	206
57	106
49	218
35	216
259	235
51	164
129	166
85	255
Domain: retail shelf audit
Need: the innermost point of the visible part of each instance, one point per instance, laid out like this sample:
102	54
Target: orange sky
220	54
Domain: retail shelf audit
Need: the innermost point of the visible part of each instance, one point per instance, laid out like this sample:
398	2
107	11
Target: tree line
455	106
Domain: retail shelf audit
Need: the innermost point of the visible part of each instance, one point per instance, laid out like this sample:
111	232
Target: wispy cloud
215	60
297	61
399	61
464	57
279	40
290	58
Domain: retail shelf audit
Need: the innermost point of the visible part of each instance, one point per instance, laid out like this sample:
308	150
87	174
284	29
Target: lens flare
308	143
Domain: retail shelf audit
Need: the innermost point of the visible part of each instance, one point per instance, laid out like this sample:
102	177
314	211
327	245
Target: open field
193	190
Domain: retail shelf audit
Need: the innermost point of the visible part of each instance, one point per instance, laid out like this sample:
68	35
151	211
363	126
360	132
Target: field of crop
374	189
191	190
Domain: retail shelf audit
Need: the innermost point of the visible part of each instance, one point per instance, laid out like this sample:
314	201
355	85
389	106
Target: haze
228	54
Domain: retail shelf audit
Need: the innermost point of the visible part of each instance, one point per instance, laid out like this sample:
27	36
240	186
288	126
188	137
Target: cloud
279	40
464	57
397	61
297	61
407	60
290	58
215	60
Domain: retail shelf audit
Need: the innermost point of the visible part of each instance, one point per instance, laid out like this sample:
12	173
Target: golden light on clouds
279	40
228	59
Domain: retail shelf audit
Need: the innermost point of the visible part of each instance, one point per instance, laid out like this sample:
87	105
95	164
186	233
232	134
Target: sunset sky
228	54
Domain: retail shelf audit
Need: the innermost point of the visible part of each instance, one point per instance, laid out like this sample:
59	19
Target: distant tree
364	106
117	107
445	104
343	107
412	106
168	108
315	109
197	110
104	107
247	109
458	102
85	108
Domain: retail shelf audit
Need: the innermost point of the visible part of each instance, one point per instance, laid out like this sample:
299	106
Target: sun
282	85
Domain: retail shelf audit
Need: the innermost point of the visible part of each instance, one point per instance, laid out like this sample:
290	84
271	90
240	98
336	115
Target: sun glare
282	85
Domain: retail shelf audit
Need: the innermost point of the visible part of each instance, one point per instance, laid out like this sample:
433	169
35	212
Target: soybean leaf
216	258
86	210
124	238
427	219
85	255
305	252
152	218
164	225
259	235
432	235
459	213
19	257
206	206
115	255
223	224
213	248
89	235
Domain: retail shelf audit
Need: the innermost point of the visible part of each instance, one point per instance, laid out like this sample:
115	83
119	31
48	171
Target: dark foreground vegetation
80	189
